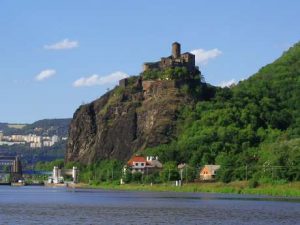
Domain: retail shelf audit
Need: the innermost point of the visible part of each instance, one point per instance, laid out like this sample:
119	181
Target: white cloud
45	74
64	44
228	83
99	80
202	56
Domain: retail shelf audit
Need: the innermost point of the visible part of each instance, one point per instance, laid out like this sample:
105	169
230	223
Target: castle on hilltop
175	60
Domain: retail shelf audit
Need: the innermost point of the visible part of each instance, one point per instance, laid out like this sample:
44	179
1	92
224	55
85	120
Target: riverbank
240	187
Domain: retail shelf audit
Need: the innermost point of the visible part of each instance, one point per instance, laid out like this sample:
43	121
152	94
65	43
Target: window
142	164
136	164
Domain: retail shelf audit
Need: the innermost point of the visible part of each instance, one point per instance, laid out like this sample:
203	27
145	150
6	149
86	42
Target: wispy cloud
203	56
95	79
228	83
64	44
45	74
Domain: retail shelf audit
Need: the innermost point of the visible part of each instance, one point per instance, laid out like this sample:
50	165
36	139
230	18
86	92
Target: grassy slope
242	187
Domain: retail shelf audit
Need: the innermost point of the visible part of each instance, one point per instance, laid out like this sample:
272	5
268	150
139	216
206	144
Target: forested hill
41	127
254	125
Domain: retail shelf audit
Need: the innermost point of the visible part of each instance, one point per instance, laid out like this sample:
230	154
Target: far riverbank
240	187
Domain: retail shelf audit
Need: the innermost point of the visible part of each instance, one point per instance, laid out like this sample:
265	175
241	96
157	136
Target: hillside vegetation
46	127
252	129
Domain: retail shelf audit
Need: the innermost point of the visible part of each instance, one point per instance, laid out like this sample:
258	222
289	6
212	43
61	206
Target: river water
42	205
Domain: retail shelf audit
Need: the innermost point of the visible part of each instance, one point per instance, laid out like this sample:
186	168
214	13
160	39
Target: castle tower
176	50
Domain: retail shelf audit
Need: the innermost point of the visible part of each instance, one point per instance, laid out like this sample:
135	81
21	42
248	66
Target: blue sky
55	55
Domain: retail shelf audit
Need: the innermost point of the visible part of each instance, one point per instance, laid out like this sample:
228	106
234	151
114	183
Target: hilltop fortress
141	112
160	77
175	60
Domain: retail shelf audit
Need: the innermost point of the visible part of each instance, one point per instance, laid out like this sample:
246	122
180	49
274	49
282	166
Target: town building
1	135
48	143
55	138
17	138
208	172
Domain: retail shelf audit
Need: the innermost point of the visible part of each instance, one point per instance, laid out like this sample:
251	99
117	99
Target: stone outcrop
135	115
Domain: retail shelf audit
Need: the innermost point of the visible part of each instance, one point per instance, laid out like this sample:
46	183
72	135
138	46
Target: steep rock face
129	118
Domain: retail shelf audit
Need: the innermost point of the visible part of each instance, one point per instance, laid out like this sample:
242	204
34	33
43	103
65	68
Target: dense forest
253	126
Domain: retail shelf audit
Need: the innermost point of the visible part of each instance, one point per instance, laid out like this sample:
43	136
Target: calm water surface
41	205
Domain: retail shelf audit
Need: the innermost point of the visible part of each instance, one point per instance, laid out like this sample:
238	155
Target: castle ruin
175	60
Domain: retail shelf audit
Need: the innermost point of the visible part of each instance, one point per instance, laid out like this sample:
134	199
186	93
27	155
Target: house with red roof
144	165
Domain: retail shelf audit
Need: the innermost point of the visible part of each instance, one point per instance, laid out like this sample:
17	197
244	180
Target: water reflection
40	205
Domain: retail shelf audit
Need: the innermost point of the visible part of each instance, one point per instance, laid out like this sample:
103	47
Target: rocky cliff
135	115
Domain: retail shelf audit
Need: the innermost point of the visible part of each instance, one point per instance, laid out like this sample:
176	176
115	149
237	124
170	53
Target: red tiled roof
136	159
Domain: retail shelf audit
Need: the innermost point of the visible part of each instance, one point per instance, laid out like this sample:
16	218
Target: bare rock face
135	115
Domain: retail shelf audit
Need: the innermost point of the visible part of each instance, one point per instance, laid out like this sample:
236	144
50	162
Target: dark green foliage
169	172
153	178
177	73
127	176
137	177
103	171
281	160
244	127
48	166
253	183
188	174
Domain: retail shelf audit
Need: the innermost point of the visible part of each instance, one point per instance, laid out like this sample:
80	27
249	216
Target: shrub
253	183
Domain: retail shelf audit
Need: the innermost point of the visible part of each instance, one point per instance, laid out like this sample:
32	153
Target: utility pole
246	168
181	174
186	174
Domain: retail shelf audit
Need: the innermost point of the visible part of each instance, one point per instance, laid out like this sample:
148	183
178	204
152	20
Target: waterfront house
208	172
144	165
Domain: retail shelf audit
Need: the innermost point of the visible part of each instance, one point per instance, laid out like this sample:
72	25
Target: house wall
139	165
206	175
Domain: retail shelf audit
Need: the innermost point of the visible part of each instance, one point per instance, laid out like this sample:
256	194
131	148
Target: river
41	205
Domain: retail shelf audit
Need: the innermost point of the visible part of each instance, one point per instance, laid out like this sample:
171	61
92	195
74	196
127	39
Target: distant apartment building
48	143
35	145
33	140
36	139
17	138
55	138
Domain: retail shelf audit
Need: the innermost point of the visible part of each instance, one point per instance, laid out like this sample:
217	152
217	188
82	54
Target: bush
152	178
169	172
137	177
253	183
